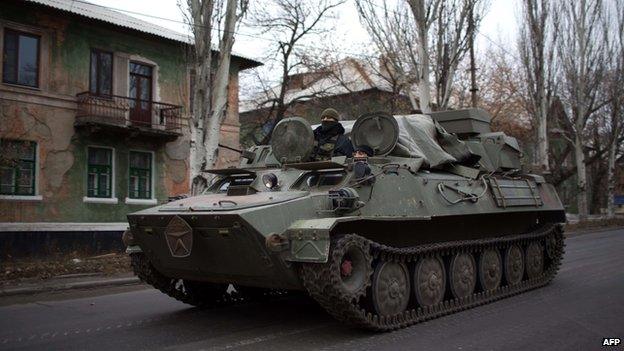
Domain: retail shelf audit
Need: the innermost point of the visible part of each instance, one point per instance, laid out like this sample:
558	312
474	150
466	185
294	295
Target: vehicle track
323	281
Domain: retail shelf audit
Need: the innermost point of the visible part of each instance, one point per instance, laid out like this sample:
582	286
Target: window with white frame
140	182
99	172
17	167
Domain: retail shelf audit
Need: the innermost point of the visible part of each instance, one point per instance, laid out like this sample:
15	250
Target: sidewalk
66	282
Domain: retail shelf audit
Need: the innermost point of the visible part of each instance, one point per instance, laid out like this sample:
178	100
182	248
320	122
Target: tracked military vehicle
443	219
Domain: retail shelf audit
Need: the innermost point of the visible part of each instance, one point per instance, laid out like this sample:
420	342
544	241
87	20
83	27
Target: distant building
94	108
619	203
351	86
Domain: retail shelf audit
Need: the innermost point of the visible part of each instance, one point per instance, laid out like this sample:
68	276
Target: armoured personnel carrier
440	219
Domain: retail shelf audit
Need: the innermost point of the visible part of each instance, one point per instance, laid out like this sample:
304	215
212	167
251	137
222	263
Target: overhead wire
236	33
253	36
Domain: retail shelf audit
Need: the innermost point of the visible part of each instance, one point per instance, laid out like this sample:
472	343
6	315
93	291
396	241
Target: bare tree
423	19
383	71
200	19
501	92
455	23
210	95
617	100
393	32
428	40
291	22
582	55
536	44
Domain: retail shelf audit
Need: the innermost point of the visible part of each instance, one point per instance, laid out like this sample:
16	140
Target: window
140	92
101	73
100	172
140	184
20	59
17	167
222	185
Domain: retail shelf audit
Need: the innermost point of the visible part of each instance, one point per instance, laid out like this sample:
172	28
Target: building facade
94	110
352	87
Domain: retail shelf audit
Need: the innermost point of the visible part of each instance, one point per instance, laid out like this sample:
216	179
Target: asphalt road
583	305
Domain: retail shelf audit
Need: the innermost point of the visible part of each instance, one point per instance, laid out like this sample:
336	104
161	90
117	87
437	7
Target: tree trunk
542	134
424	85
611	180
581	175
197	158
201	15
220	86
473	76
537	67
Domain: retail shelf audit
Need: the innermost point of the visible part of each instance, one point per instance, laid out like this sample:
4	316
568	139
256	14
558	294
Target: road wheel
514	265
534	260
429	281
390	288
463	275
490	269
351	265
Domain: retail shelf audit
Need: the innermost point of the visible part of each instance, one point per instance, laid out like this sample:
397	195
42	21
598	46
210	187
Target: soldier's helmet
330	112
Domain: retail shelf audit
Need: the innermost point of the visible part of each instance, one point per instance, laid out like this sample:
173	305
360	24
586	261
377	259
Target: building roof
343	77
105	14
618	199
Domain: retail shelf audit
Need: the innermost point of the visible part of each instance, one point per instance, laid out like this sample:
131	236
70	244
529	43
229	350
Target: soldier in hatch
361	169
329	138
363	152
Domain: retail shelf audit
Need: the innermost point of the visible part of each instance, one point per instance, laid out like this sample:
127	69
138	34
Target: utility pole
473	78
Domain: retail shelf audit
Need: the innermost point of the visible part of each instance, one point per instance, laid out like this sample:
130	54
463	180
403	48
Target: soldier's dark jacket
331	142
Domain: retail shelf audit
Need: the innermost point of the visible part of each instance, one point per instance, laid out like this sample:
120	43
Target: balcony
121	114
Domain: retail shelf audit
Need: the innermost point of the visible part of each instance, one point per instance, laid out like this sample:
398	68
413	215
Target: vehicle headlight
269	180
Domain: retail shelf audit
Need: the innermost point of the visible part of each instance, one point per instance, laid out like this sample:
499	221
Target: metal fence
127	111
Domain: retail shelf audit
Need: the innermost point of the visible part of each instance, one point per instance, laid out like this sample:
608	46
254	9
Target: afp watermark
611	341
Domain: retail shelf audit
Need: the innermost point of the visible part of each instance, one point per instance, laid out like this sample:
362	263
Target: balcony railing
124	111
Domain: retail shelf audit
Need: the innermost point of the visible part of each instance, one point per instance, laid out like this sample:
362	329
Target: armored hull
412	240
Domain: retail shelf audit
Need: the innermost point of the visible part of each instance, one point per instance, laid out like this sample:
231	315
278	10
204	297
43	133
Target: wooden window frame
99	170
17	171
151	79
149	190
137	111
27	34
97	71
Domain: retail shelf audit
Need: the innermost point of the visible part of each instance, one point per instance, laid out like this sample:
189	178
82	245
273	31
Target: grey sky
499	24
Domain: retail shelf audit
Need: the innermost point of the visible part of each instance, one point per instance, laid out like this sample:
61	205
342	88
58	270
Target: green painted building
94	109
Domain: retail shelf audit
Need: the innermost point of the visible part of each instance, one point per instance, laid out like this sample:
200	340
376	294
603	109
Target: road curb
69	286
580	232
